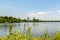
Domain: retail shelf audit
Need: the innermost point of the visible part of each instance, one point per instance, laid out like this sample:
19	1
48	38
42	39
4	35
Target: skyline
41	9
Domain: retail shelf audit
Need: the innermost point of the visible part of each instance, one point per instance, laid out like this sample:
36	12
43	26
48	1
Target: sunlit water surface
37	27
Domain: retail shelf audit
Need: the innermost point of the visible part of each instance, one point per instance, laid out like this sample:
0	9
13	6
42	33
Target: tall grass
28	35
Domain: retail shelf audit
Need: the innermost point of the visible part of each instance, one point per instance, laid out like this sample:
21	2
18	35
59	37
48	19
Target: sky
40	9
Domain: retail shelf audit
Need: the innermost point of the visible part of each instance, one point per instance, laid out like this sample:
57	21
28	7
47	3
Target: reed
28	35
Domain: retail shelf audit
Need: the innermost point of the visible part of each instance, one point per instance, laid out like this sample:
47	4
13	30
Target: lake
37	27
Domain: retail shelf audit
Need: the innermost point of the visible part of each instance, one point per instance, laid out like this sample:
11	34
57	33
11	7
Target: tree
34	19
6	19
19	20
11	19
1	20
15	20
28	19
24	20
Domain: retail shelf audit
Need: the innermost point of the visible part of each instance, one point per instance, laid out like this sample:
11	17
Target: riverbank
6	19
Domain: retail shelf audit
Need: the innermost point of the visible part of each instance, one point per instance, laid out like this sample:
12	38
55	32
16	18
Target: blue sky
42	9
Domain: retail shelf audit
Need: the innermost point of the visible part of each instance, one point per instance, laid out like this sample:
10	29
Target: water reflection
18	24
28	24
35	24
37	28
4	28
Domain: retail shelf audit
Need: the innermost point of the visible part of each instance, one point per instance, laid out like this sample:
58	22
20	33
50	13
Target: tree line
10	19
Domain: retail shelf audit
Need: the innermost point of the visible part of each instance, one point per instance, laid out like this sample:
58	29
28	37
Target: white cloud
58	11
34	14
41	13
48	15
37	13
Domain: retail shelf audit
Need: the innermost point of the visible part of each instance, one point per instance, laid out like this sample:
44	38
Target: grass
28	35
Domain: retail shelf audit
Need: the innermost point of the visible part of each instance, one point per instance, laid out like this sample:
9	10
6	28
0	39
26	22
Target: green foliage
27	35
19	20
11	29
10	19
1	20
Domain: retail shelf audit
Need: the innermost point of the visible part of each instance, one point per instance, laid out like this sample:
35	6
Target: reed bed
28	35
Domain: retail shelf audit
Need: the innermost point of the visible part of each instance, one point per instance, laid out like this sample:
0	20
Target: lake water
37	27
